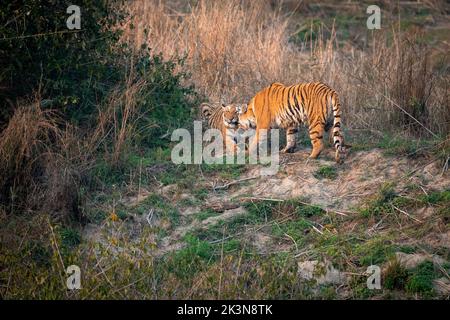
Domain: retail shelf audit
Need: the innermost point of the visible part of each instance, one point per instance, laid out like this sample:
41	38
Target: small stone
322	272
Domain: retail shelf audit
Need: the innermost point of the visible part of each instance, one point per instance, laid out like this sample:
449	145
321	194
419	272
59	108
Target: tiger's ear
205	109
242	108
223	105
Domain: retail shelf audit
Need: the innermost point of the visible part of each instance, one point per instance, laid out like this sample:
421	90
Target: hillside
87	178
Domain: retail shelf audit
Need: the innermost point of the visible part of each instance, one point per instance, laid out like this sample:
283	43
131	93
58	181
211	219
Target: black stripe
297	104
289	106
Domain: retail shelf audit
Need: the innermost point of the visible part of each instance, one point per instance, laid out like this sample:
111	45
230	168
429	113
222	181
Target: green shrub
421	281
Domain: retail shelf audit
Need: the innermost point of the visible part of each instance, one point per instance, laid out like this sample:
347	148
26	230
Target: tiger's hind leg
290	140
316	135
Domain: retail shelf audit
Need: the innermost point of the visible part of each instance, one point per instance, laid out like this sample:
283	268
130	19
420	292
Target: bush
72	69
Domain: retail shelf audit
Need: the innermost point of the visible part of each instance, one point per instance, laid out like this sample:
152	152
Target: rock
410	261
322	272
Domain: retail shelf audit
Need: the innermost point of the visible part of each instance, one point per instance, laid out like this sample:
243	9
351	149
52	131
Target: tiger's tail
338	137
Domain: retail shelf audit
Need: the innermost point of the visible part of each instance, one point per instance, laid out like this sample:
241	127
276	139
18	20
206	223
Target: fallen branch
262	199
226	186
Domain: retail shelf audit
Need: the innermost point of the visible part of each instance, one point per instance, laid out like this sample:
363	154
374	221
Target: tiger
225	119
287	107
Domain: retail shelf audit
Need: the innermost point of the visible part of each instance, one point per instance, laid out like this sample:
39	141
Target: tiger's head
247	117
230	115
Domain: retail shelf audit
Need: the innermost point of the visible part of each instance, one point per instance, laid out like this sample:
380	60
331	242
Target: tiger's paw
288	150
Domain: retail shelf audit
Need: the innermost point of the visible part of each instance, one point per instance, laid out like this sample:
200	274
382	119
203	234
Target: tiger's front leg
230	140
290	140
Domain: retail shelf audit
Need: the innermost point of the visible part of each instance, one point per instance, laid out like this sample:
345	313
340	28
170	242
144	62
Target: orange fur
289	106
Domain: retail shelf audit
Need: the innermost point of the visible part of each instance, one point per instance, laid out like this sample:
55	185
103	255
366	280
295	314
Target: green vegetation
421	280
70	237
387	200
374	251
328	172
294	229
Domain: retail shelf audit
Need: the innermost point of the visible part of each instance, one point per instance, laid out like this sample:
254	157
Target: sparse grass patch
295	229
403	146
190	260
326	172
225	171
374	251
164	208
205	214
407	249
381	204
437	197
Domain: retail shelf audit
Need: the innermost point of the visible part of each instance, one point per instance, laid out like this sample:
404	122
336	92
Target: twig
375	226
317	230
57	251
406	213
262	199
225	186
149	216
293	240
445	167
302	253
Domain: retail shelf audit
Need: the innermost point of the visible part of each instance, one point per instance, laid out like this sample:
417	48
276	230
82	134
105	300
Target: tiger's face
231	115
247	117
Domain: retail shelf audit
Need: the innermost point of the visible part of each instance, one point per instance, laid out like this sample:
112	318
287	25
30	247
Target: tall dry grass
37	163
116	119
234	48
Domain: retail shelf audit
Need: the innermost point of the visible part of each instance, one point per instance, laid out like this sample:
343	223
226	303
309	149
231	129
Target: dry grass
41	163
235	48
116	119
24	144
232	48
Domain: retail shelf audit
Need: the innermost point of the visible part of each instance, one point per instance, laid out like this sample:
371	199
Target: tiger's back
315	104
